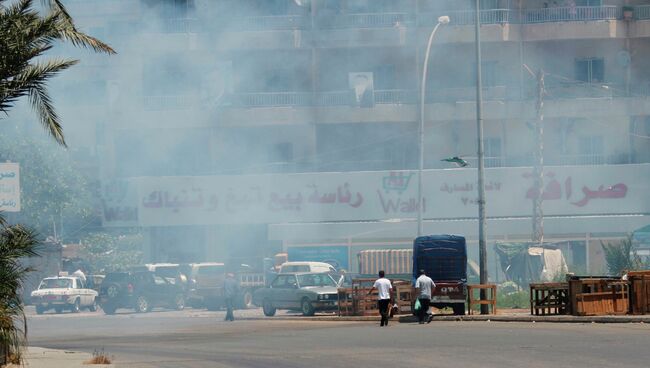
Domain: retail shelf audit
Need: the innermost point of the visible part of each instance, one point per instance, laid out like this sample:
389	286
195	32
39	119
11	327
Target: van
312	267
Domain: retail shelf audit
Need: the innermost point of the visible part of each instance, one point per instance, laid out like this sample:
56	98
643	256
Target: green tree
26	34
54	193
621	256
25	37
106	252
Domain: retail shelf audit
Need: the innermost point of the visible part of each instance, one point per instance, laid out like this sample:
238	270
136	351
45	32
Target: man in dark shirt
230	291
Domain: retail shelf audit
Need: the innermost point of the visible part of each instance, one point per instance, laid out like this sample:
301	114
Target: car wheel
307	308
142	305
39	309
76	307
246	299
268	308
58	310
93	307
179	302
108	309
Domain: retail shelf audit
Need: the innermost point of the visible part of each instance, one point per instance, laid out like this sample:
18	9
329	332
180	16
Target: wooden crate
640	293
549	298
598	297
356	301
491	297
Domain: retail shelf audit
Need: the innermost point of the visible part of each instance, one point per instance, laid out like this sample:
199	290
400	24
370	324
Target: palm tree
25	36
16	243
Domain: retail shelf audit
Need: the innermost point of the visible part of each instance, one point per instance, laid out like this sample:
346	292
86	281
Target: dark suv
139	290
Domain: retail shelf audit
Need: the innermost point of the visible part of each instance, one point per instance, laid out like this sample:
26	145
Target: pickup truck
206	284
444	259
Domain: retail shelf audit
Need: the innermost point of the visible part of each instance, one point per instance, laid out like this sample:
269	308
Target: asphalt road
194	338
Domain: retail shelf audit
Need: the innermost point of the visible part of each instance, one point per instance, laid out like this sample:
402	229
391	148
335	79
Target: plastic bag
417	305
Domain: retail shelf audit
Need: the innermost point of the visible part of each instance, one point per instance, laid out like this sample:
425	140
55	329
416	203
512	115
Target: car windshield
315	280
55	284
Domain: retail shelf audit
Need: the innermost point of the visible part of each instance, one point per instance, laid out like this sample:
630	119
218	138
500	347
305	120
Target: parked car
305	292
206	284
141	291
315	267
172	271
61	293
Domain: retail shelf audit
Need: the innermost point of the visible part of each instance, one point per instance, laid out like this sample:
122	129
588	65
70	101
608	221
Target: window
283	152
284	282
591	70
591	150
591	145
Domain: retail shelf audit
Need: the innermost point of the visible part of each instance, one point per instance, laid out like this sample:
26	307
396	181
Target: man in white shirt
384	288
425	285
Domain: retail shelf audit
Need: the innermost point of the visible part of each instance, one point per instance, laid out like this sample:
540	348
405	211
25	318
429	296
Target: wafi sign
370	196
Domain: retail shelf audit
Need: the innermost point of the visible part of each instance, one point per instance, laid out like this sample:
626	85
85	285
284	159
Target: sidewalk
49	358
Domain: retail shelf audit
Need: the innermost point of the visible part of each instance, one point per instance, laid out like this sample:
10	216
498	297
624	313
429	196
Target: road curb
473	318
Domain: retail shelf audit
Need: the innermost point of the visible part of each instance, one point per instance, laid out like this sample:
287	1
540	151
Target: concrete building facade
265	90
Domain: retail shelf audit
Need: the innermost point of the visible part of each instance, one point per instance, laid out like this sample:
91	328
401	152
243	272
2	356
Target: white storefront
343	209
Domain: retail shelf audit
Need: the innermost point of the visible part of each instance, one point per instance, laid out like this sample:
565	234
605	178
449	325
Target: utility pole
482	247
538	169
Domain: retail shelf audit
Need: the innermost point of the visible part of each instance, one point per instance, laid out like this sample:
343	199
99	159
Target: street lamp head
444	19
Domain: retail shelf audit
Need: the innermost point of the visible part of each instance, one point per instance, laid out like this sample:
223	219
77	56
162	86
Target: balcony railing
271	99
642	12
365	20
467	17
584	90
577	13
272	22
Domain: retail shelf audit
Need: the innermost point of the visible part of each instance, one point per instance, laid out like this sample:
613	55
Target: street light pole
482	247
441	20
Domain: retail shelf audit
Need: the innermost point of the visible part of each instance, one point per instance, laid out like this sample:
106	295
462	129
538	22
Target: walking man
230	291
424	284
384	288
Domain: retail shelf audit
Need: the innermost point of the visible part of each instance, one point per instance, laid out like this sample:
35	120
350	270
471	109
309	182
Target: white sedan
61	293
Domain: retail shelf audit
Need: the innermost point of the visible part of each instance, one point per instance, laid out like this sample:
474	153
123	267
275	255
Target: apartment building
257	103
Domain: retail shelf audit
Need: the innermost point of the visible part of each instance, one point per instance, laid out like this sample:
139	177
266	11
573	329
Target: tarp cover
525	263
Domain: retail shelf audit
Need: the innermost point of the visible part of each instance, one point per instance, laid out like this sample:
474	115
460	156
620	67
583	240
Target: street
197	338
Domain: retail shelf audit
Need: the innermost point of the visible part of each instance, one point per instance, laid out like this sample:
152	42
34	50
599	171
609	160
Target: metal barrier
642	12
577	13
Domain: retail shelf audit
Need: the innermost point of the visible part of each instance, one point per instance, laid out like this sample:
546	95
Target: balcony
642	12
568	14
468	17
365	20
